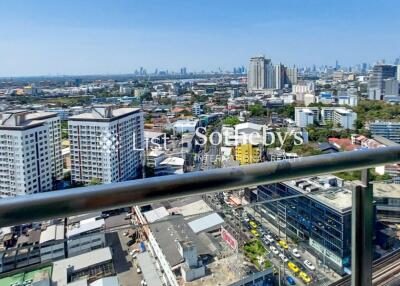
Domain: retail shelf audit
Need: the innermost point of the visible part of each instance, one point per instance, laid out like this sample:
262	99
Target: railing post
361	236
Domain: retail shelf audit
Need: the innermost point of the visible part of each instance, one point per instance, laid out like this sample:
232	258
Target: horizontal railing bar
36	207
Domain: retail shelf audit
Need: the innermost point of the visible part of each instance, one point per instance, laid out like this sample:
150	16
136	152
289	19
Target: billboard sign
229	239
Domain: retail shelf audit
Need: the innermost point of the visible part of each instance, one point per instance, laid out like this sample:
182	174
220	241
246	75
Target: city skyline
78	38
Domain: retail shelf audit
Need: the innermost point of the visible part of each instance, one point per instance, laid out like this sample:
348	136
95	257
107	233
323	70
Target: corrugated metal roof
156	214
206	222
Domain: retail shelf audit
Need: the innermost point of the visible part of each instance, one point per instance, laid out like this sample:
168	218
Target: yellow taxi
283	244
253	224
293	267
305	277
255	233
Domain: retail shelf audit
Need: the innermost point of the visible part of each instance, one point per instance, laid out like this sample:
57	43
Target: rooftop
106	281
186	123
149	270
36	275
173	161
386	190
52	232
190	206
169	233
22	119
206	222
104	113
84	226
156	214
79	262
334	196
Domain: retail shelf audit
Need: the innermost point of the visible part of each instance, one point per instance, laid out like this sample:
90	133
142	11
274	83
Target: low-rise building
247	154
183	126
85	268
52	242
85	235
170	166
306	116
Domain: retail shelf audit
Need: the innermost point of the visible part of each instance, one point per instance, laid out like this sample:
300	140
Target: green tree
95	181
256	110
231	120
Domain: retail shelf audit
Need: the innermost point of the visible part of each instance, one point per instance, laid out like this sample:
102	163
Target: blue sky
47	37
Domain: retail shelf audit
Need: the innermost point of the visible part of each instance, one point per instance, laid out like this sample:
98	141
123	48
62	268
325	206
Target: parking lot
123	261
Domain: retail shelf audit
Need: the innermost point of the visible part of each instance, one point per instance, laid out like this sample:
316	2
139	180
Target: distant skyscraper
105	144
260	74
364	67
376	81
391	86
291	76
398	73
279	76
183	71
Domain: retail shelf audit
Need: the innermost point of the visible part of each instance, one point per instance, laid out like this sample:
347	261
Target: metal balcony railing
65	203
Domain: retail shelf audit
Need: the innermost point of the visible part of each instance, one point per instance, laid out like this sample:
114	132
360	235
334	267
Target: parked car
274	250
253	224
255	233
283	244
305	277
290	280
265	241
269	238
138	270
293	267
295	252
283	257
309	265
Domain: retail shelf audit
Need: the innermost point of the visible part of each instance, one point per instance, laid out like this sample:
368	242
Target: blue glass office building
322	220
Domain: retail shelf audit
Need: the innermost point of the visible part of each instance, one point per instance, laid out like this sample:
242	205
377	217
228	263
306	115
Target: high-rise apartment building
376	86
260	74
53	122
30	152
106	144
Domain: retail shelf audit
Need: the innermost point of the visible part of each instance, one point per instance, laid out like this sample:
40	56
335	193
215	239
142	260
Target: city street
321	276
